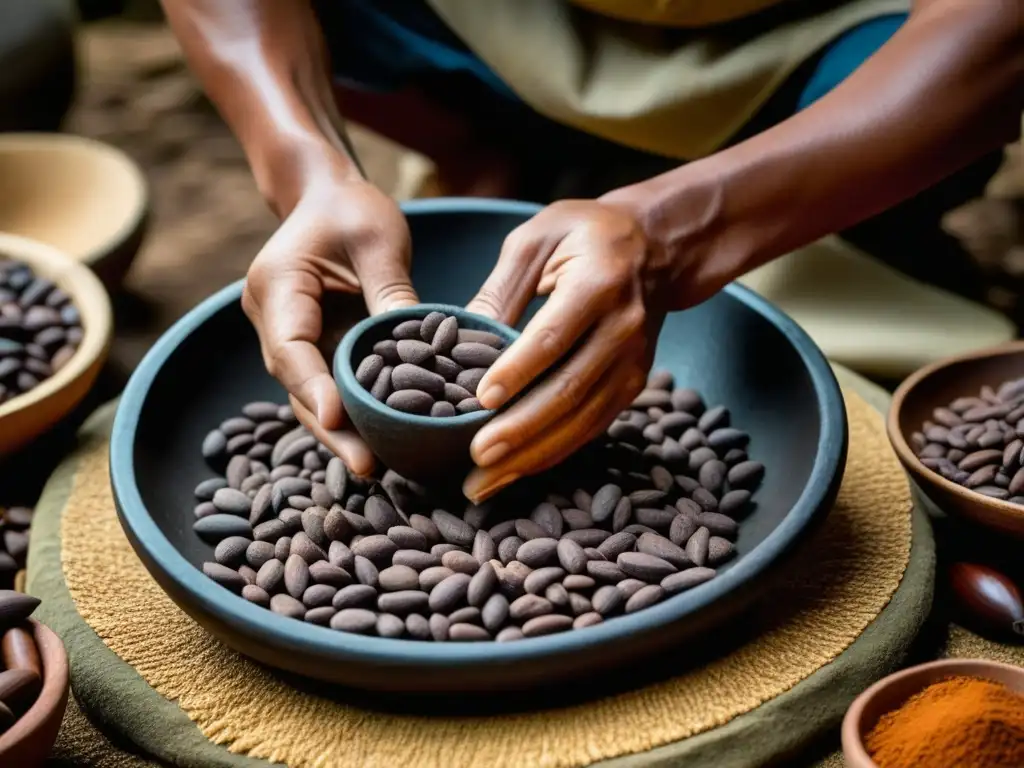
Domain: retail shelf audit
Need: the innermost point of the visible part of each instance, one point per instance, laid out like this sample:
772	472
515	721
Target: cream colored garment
681	94
869	317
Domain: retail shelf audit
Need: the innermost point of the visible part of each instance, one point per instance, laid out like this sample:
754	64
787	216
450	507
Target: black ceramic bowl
398	438
736	348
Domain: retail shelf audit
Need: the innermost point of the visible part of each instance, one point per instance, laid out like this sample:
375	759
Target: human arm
263	63
948	87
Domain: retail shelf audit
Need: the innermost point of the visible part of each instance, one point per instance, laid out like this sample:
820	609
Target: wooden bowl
81	196
29	415
28	742
938	385
890	692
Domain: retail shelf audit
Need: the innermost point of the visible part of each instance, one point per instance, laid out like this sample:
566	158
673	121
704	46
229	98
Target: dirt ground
208	220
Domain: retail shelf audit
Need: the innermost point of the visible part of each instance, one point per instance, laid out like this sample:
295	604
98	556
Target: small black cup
432	451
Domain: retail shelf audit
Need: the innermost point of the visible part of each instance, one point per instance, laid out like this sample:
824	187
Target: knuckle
488	300
256	277
249	304
359	239
549	340
611	283
634	317
566	207
515	243
516	434
568	392
395	290
276	361
636	382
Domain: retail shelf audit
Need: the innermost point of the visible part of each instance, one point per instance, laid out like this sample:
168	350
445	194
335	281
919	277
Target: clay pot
28	742
936	386
83	197
891	692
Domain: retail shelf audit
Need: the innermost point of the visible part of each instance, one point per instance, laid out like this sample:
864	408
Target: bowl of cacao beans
408	378
958	428
34	683
654	536
56	325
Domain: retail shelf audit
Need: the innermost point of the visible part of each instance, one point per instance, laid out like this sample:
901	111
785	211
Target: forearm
947	88
263	64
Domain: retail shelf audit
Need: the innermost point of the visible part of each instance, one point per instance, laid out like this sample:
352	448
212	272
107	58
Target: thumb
386	283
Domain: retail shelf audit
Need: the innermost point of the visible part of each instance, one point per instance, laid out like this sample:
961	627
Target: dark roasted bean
482	585
616	544
645	598
604	571
447	595
460	562
538	552
697	546
227	577
691	577
539	580
645	567
660	547
453	529
588	537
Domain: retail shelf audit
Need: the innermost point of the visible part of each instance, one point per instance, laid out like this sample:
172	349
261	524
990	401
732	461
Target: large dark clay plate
736	349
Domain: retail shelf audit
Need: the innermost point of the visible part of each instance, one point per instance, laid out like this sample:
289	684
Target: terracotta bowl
890	692
938	385
27	743
29	415
83	197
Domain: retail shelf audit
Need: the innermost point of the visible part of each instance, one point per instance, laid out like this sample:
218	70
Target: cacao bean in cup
429	367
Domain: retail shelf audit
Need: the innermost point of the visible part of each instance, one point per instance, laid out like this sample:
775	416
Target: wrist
683	214
287	170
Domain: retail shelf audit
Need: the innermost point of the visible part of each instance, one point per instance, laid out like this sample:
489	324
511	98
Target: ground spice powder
965	722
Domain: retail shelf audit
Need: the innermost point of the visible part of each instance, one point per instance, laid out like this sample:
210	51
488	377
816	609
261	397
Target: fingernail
493	454
490	488
493	397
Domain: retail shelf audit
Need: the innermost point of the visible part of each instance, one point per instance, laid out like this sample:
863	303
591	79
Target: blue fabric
384	45
845	54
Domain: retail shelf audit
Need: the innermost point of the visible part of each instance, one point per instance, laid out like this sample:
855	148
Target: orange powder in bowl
961	722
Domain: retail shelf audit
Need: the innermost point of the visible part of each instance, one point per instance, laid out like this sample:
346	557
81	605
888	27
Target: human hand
350	237
606	307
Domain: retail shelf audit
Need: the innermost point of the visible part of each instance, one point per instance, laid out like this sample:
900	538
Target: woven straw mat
841	584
